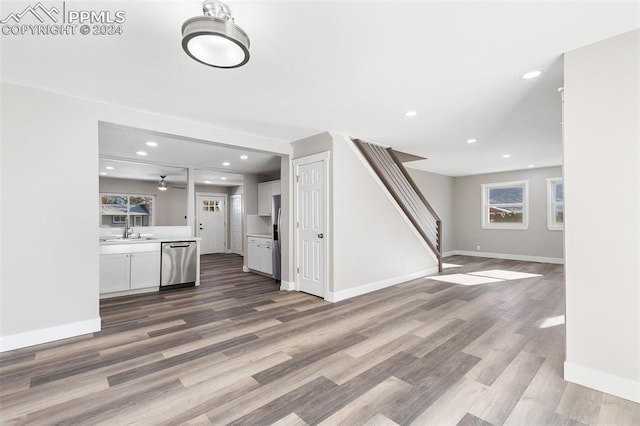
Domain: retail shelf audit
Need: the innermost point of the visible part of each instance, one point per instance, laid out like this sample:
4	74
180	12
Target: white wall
372	240
602	203
438	190
49	276
535	243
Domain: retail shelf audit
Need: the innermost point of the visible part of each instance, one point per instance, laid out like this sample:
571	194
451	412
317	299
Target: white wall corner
287	285
602	381
377	285
45	335
524	258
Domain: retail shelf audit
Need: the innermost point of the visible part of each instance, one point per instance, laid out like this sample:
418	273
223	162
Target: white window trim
551	203
485	203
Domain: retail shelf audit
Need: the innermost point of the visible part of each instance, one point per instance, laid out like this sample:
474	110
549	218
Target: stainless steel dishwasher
179	264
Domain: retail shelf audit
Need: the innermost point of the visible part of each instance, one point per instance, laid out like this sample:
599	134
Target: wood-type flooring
239	351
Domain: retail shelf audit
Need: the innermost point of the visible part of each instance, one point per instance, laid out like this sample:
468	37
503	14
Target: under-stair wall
371	244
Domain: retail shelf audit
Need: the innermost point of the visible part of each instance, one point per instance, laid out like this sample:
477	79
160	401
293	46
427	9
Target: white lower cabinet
145	269
266	264
253	253
259	255
126	267
114	272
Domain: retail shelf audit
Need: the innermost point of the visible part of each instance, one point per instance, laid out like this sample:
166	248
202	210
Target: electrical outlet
478	248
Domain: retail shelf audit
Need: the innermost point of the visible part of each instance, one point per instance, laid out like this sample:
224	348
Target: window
555	204
505	205
115	208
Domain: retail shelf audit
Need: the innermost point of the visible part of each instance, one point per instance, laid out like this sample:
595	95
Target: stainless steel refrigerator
276	212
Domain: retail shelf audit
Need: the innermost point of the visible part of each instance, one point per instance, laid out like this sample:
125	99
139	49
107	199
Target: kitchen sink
127	239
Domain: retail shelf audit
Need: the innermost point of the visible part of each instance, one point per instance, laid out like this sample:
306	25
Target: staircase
404	190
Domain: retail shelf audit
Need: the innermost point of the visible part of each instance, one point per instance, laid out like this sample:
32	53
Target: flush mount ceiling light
162	185
531	74
472	140
141	153
244	157
410	113
226	164
214	39
152	143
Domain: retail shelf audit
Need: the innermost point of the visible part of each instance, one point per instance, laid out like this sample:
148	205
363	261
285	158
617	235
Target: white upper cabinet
266	190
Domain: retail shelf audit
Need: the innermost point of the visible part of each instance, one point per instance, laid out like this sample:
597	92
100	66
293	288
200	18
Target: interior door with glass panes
211	223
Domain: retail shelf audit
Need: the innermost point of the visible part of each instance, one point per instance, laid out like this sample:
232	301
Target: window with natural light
116	208
555	204
505	205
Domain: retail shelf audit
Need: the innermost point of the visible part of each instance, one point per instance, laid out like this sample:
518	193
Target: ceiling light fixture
141	153
103	173
214	39
244	157
226	163
410	113
207	181
472	140
531	74
152	143
506	156
162	185
110	168
223	178
530	166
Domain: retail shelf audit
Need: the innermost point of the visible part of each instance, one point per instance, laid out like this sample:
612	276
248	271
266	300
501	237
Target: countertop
259	235
104	240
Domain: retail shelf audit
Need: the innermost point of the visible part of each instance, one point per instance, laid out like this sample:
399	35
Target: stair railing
404	190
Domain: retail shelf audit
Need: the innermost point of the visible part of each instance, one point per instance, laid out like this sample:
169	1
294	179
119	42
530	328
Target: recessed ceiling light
226	163
410	114
223	178
141	153
531	166
531	74
207	181
244	157
103	173
506	156
152	143
472	140
110	168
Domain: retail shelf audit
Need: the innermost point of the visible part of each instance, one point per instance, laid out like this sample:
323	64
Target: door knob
320	235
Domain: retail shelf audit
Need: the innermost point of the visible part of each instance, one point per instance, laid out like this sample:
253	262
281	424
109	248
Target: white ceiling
118	147
353	67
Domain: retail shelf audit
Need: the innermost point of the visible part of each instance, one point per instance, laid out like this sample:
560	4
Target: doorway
311	218
211	217
236	224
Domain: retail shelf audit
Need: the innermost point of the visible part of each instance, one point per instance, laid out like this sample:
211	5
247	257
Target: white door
211	223
310	219
236	224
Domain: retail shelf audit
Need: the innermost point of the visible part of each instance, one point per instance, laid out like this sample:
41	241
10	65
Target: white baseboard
539	259
604	382
449	253
245	269
50	334
287	285
377	285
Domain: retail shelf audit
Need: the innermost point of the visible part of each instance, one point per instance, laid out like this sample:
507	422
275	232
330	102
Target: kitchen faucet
127	230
